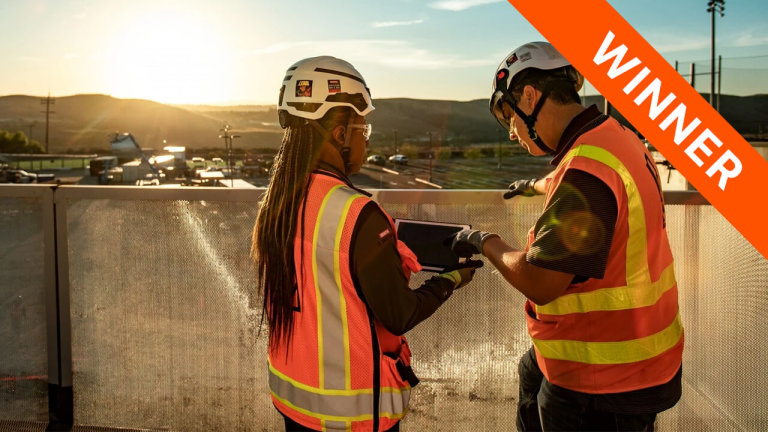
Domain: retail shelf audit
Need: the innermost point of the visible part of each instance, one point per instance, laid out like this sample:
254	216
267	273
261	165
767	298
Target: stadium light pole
712	7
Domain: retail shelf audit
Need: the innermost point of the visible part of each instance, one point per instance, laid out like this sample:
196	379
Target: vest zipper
376	371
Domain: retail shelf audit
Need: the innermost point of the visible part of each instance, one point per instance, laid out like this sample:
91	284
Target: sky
230	52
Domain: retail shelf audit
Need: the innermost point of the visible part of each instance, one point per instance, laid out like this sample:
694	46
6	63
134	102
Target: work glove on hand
468	242
521	187
461	274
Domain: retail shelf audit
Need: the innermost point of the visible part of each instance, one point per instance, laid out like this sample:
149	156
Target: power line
726	58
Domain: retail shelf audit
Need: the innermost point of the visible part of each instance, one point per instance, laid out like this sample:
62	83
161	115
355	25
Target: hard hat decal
304	88
512	59
524	57
334	86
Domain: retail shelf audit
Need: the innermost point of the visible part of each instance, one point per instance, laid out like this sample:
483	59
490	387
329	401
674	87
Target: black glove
469	242
521	187
461	274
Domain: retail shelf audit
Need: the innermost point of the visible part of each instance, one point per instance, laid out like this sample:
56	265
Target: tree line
17	142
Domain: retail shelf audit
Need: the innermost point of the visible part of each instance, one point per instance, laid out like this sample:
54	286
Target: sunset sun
170	58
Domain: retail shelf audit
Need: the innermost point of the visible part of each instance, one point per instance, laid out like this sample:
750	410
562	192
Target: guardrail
139	312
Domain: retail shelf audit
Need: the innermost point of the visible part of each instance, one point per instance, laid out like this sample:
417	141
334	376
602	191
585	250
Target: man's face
519	131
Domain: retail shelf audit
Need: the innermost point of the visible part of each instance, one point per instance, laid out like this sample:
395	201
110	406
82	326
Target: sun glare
170	58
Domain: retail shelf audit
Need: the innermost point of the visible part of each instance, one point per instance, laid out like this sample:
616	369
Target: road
452	174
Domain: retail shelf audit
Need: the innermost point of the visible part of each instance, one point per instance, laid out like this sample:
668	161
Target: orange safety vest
334	374
622	332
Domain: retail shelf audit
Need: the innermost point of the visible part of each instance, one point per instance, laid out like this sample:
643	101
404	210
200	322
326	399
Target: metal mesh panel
164	329
23	352
162	332
22	426
724	303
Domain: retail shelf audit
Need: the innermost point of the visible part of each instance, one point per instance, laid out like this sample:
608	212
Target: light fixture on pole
712	7
228	138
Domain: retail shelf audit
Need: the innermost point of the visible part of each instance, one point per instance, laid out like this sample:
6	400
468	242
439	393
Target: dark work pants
545	406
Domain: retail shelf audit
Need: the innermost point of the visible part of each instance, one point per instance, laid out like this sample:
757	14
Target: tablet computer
430	241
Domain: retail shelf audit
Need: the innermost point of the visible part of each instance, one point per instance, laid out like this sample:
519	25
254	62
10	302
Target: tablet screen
430	241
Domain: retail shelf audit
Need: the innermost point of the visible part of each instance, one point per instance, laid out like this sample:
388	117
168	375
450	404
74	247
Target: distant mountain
87	122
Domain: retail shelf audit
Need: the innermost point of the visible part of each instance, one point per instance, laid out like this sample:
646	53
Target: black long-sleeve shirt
379	274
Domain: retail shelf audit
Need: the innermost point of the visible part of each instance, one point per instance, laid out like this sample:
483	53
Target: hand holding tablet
431	242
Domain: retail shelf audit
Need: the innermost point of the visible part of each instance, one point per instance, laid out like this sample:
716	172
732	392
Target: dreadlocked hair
272	246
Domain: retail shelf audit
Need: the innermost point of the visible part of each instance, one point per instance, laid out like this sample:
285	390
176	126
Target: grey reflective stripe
393	403
324	406
332	425
333	310
337	405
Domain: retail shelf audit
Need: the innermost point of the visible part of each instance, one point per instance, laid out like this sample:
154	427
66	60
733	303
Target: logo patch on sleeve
304	88
384	234
334	86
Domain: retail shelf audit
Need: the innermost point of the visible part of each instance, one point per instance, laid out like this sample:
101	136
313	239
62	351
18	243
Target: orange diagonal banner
626	70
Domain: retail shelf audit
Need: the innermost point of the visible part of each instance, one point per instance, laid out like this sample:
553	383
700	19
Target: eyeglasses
367	128
497	109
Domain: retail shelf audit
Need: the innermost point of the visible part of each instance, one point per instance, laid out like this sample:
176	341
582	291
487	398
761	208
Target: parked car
21	176
399	159
376	159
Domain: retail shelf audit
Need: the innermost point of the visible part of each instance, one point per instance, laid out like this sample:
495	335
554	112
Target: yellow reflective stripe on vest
333	330
612	299
638	277
612	352
335	405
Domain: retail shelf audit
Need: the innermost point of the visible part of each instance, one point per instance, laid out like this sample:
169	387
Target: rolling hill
85	123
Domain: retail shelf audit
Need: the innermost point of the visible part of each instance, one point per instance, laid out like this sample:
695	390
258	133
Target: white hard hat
314	85
533	55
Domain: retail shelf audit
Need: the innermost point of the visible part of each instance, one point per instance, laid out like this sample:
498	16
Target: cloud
460	5
397	23
749	39
665	42
392	53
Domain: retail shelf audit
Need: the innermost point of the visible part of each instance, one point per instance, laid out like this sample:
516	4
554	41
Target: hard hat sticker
304	88
334	86
512	59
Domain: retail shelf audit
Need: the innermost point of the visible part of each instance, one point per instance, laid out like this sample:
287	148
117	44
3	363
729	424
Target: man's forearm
538	284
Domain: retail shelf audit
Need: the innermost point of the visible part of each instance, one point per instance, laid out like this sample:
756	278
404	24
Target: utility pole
712	7
47	101
431	156
228	138
719	76
396	152
31	126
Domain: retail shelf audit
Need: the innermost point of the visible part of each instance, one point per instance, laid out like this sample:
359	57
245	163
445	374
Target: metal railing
138	311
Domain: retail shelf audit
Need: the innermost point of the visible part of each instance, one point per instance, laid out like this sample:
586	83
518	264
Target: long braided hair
272	247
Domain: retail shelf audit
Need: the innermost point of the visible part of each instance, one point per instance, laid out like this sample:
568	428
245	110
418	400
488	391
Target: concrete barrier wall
163	322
